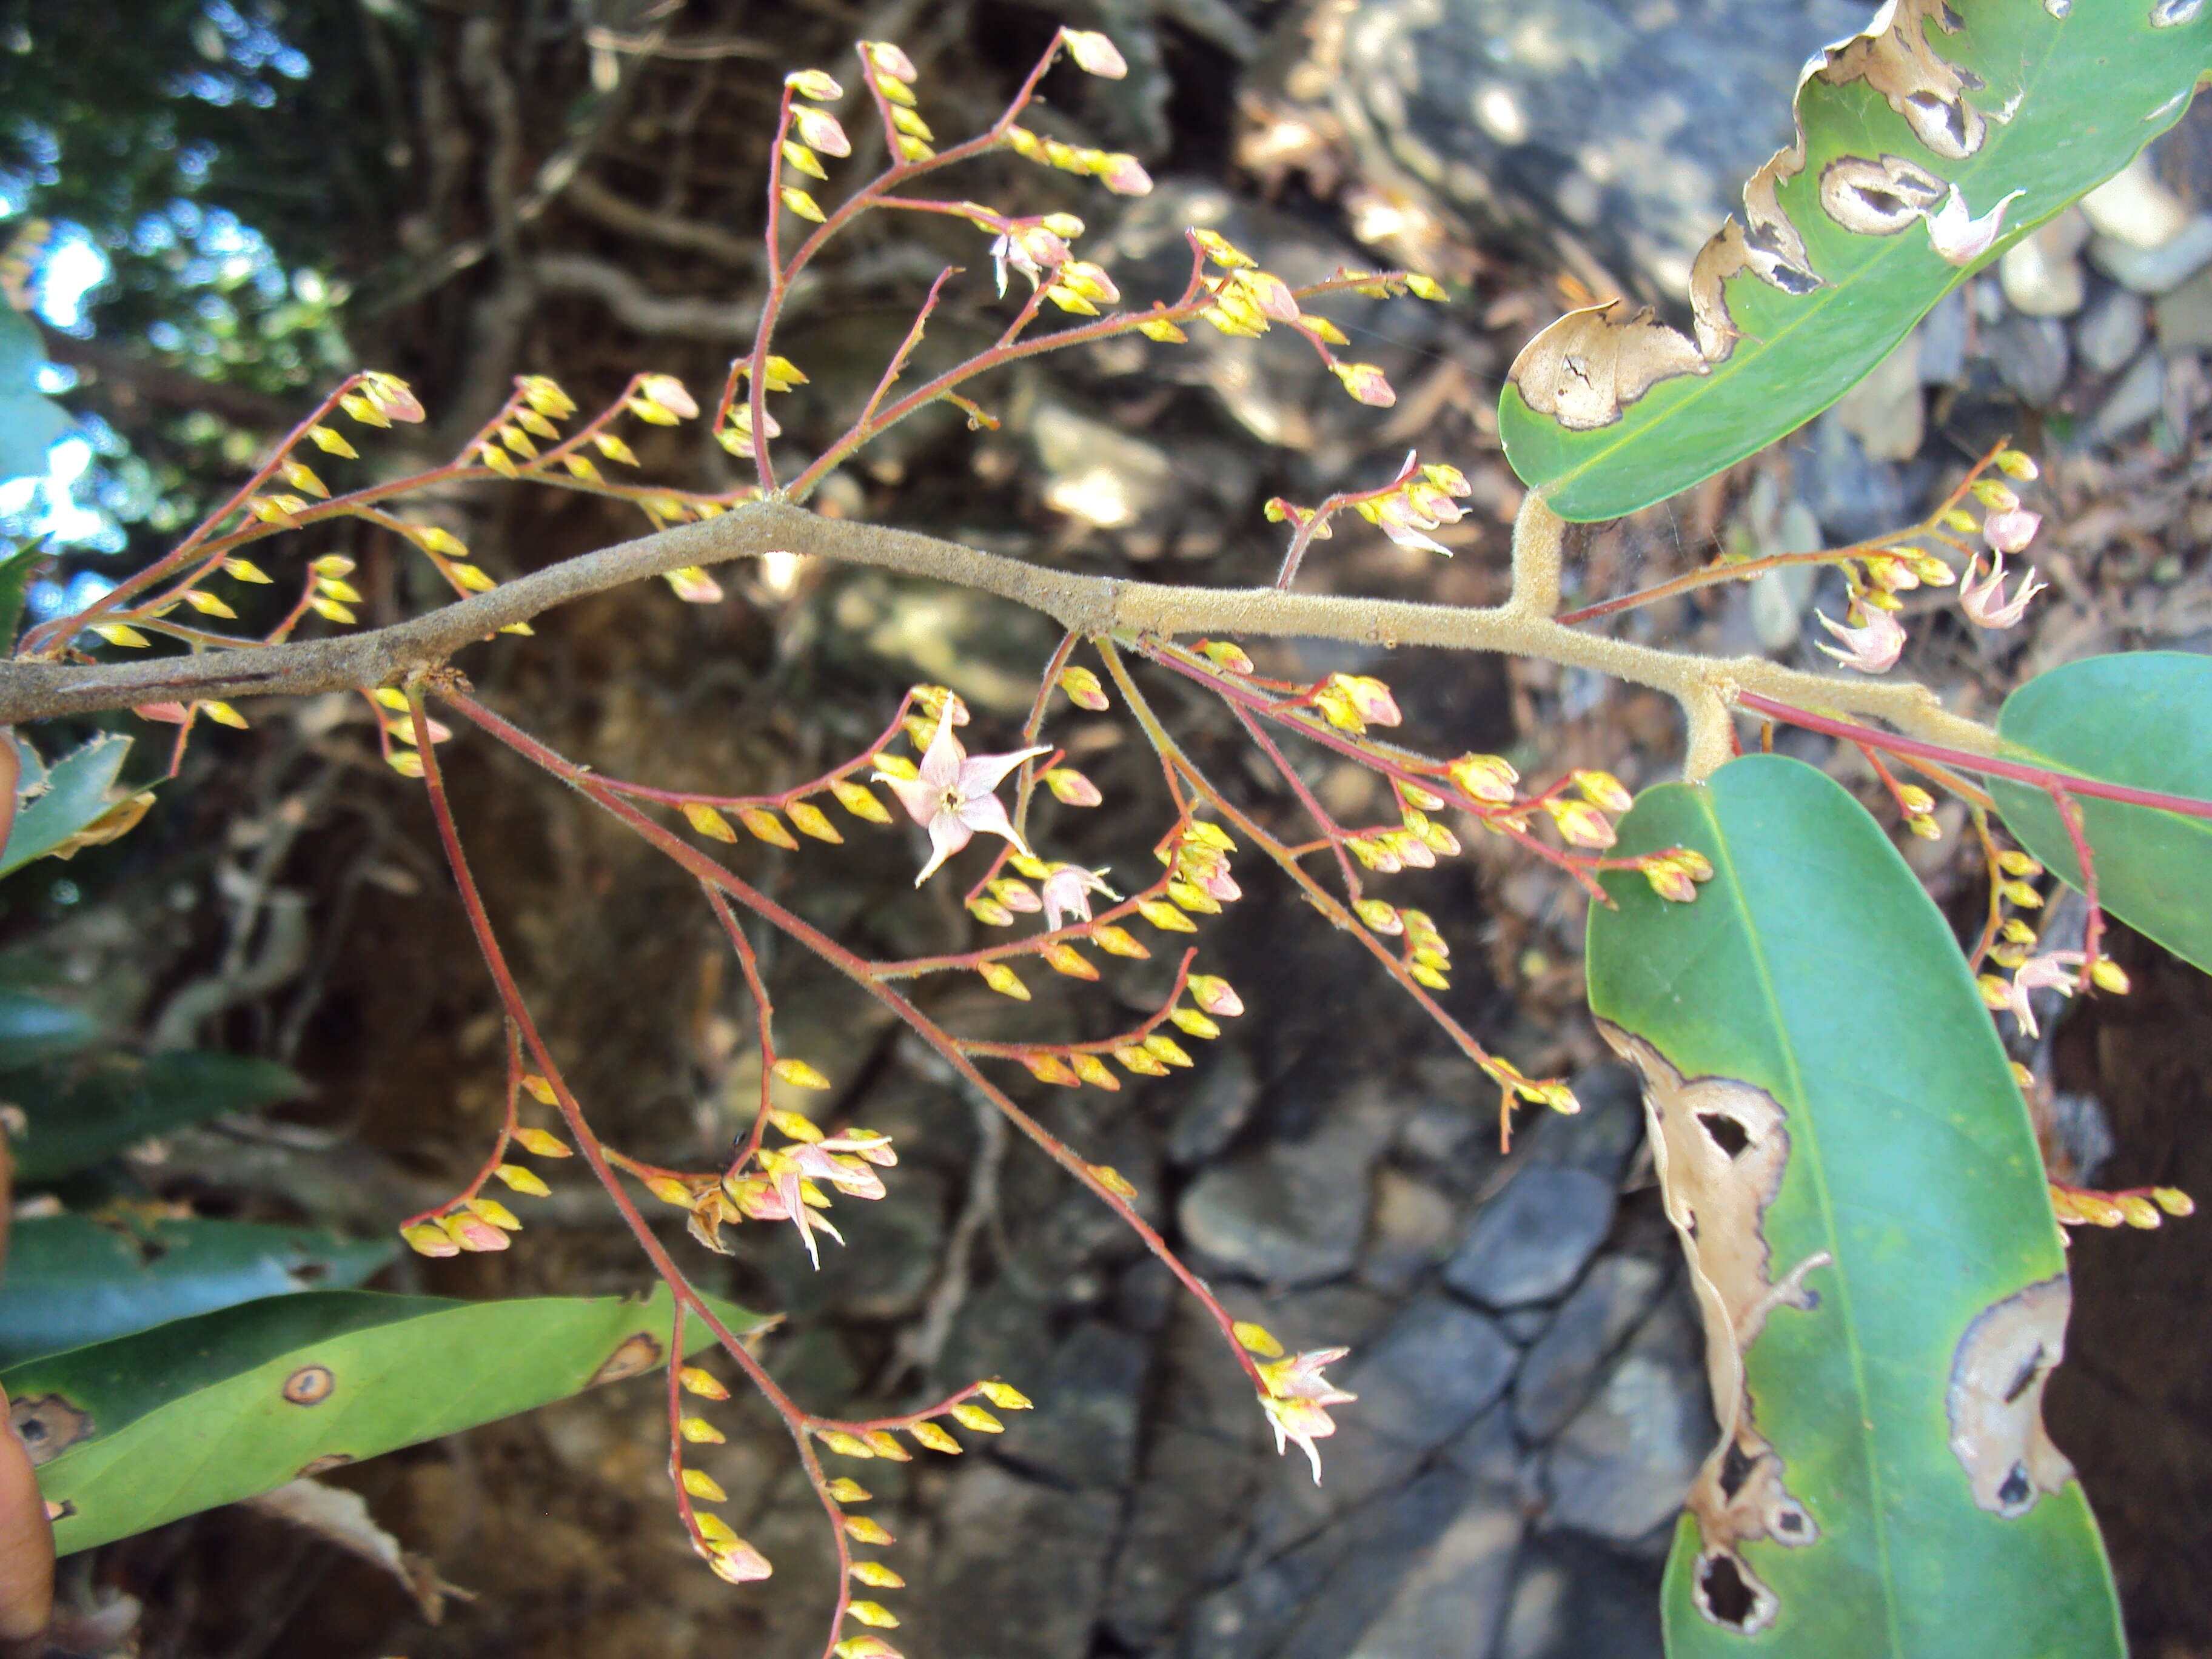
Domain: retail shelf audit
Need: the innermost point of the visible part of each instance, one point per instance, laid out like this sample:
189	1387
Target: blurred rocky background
460	191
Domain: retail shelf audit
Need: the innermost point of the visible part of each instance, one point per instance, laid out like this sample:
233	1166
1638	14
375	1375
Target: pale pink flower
1984	600
1031	249
1124	175
1874	645
1296	1400
1957	236
1067	892
952	798
2055	970
1094	54
2010	531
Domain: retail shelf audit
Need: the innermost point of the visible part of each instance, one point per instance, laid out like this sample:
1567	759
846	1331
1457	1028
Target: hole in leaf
1729	1599
1735	1470
2016	1489
1730	1136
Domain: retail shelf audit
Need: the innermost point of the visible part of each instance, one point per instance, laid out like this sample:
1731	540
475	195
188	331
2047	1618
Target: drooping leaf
1852	1170
29	424
71	1279
33	1028
77	792
80	1112
2143	718
1839	252
134	1432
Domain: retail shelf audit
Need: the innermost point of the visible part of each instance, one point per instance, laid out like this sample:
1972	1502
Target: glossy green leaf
29	422
71	1279
2144	719
33	1028
1883	1286
2015	99
134	1432
77	792
80	1112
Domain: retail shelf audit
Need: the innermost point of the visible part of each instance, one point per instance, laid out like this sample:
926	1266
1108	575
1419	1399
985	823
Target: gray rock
1620	1470
2156	269
1379	1549
1020	1571
1529	1243
1289	1214
1187	1528
2134	206
2139	395
2111	329
1414	1226
1556	1375
1450	1605
1885	412
1942	334
1084	1430
2185	316
1543	119
2030	355
2040	273
1215	1108
1574	1599
1853	497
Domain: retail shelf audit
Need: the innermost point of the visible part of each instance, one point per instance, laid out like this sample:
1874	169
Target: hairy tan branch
1092	605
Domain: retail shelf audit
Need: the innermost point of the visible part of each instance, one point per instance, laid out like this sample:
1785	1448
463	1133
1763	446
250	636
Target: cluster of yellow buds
880	1439
1583	822
777	375
473	1222
2138	1206
2012	879
809	133
1421	504
1120	173
1150	1055
378	400
1674	874
1353	702
891	75
733	1559
398	723
786	1182
761	821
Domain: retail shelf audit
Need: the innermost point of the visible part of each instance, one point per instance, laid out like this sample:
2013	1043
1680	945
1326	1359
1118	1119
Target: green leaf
77	792
33	1028
134	1432
1883	1286
29	424
80	1113
15	573
2143	718
1632	411
71	1280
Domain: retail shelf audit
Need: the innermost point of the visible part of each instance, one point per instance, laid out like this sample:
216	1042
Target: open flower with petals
1297	1401
1957	236
1874	645
1982	598
1067	892
952	798
2058	970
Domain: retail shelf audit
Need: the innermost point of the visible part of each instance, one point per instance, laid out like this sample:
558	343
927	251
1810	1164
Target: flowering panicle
1293	1392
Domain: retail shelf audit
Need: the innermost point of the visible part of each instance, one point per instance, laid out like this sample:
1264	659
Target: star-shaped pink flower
952	798
1875	644
1067	892
1982	597
1297	1401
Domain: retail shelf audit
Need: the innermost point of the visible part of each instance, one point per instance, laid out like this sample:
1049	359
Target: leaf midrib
1807	1139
